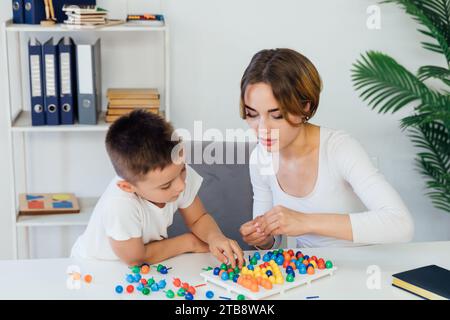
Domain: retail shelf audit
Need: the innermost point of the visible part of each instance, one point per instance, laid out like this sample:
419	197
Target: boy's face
159	186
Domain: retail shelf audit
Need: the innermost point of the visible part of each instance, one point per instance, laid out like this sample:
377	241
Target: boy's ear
126	186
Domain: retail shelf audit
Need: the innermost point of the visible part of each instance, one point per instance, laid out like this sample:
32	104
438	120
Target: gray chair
226	191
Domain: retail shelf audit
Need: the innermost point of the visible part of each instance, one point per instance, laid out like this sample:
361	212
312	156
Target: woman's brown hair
293	78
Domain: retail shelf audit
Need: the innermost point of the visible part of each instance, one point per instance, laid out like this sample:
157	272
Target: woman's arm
283	221
386	220
253	231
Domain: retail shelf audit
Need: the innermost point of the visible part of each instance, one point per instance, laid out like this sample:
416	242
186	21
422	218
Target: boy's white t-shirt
121	216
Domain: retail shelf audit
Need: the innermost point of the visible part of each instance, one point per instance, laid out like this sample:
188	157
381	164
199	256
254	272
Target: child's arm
205	227
134	252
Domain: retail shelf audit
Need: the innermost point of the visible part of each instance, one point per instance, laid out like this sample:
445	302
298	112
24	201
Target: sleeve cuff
276	244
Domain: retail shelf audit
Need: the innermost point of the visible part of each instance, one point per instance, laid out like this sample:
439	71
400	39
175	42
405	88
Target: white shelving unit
19	119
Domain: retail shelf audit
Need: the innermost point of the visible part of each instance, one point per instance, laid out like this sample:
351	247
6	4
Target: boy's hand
197	245
225	249
253	232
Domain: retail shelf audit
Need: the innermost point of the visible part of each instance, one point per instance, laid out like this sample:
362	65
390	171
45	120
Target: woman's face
264	117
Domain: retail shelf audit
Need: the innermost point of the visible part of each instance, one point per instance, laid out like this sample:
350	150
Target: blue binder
89	83
18	14
59	4
67	77
36	82
51	76
34	11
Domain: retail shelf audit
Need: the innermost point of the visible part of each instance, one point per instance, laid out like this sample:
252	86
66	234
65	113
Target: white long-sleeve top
347	183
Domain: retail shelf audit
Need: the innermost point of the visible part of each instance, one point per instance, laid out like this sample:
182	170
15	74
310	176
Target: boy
131	218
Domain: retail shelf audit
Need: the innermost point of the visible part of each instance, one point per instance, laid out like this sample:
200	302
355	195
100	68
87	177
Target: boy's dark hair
140	142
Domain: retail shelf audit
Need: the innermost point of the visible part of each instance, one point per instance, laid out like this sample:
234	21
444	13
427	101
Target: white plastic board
300	279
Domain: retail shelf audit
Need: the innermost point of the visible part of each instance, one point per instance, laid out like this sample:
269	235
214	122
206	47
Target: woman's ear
126	186
308	107
307	110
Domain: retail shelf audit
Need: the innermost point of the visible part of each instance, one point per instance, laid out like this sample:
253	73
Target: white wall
212	42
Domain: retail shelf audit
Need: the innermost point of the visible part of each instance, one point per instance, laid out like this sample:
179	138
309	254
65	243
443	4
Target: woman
321	187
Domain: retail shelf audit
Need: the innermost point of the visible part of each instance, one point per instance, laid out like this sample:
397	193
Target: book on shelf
86	19
113	117
137	106
133	97
108	23
146	19
85	15
122	111
84	23
122	101
114	103
136	93
83	9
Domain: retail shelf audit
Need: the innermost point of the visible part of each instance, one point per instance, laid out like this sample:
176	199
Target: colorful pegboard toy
262	275
272	273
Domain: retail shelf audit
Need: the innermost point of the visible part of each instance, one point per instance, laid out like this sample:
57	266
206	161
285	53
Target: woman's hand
283	221
252	232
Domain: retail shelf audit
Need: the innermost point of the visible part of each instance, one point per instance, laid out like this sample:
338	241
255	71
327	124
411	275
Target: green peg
135	269
145	291
241	297
150	281
289	278
170	294
328	264
181	292
223	266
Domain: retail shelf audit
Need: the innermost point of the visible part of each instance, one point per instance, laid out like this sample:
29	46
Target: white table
46	278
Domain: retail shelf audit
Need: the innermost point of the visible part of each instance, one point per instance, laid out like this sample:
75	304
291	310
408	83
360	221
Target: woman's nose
263	125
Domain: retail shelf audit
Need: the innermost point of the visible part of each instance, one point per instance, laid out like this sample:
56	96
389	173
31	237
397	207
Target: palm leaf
434	15
390	86
427	72
434	160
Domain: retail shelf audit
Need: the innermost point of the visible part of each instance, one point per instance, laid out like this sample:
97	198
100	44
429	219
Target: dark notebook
429	282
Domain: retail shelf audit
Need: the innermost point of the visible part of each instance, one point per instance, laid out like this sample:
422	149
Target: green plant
388	87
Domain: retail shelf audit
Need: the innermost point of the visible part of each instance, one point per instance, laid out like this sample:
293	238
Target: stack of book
123	101
155	20
85	15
